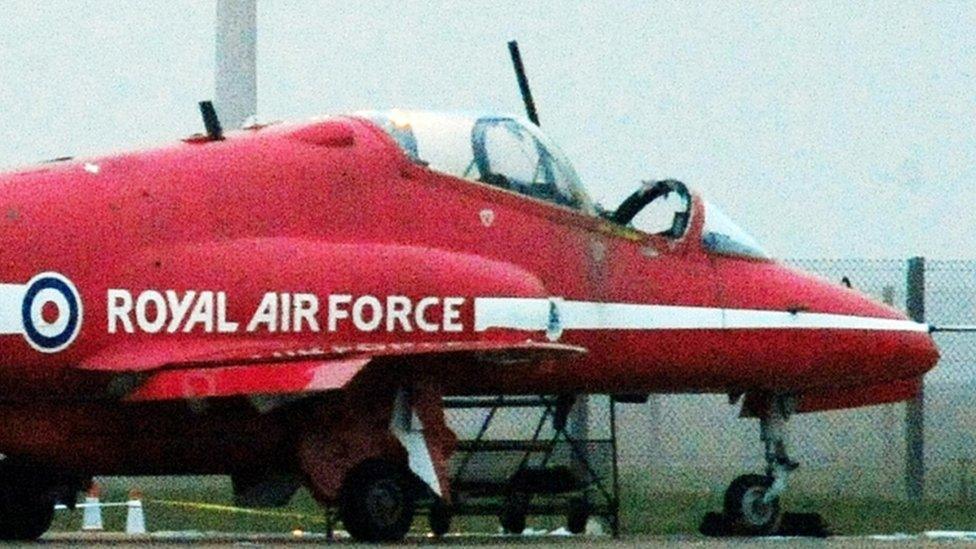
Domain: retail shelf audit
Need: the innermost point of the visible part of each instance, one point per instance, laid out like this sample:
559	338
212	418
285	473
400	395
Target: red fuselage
324	236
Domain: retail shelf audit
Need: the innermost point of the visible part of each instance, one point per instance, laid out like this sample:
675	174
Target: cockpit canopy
512	154
499	150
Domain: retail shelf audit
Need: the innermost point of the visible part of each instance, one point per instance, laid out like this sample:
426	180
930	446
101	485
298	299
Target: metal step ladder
533	464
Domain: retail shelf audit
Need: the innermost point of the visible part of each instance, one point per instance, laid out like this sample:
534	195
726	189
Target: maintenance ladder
530	467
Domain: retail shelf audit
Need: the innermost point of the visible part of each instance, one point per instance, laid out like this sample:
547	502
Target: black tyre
579	513
744	507
25	516
376	502
440	518
514	513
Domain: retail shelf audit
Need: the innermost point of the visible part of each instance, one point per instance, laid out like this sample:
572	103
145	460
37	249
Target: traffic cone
91	518
135	520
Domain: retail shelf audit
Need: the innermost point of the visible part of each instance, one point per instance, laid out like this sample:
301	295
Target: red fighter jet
288	304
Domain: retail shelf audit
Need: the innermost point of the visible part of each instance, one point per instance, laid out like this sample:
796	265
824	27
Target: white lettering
285	311
452	314
203	313
206	311
223	325
306	307
421	321
335	313
159	302
119	307
376	316
177	308
398	310
266	314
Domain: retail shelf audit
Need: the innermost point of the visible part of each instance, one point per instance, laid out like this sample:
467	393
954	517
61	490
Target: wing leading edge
286	374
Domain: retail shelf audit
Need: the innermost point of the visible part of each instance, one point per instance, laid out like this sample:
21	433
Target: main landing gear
376	502
752	504
26	501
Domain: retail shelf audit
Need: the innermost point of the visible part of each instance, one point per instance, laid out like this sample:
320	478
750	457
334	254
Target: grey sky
826	129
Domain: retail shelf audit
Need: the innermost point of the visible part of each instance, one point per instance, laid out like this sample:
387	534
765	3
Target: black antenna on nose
210	121
523	82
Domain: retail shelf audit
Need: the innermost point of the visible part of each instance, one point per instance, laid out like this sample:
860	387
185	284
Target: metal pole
579	418
915	408
655	454
236	61
579	430
892	445
615	504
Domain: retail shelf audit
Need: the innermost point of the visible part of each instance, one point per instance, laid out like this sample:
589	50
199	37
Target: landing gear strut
752	501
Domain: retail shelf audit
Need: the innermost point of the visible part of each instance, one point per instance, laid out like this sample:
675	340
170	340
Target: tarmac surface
197	539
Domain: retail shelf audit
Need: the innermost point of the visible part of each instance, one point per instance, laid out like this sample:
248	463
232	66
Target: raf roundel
51	312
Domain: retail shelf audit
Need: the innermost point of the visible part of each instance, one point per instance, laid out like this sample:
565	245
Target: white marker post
91	519
236	62
135	519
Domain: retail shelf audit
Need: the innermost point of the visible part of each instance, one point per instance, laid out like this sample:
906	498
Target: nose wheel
746	508
751	503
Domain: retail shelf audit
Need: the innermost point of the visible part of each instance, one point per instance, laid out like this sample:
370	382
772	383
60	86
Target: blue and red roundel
51	312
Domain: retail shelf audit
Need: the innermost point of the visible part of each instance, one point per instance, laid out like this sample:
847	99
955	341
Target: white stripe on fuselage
533	314
11	301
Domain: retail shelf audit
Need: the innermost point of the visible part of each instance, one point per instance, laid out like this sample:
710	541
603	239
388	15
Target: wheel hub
754	509
385	502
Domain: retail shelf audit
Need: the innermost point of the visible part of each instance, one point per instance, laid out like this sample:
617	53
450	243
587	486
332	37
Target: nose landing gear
751	503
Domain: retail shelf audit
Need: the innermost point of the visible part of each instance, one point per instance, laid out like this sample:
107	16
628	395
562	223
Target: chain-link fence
950	417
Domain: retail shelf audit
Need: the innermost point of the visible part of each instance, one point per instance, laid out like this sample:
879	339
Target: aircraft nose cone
860	341
902	348
916	353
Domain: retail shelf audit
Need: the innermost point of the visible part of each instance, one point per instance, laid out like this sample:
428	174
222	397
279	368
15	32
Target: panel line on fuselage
536	314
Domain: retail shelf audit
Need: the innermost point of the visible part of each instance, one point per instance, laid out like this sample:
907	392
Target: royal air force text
170	311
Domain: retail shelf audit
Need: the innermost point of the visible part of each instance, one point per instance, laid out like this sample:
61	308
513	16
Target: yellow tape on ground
232	509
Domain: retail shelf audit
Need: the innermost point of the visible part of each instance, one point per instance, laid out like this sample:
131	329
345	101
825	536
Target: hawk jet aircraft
288	304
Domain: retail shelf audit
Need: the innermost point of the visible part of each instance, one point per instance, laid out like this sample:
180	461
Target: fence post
915	408
892	422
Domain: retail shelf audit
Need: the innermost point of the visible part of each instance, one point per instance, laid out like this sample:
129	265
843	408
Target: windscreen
722	236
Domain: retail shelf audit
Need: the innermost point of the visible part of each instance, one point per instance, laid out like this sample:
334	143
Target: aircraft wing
310	371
